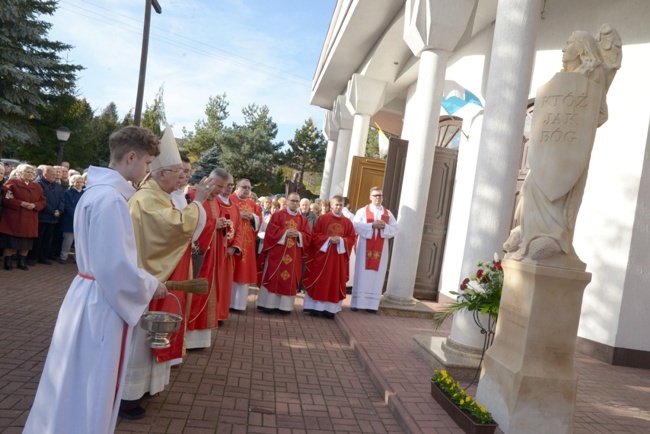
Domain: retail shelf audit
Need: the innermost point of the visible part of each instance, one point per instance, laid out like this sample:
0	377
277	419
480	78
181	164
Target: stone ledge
460	363
418	310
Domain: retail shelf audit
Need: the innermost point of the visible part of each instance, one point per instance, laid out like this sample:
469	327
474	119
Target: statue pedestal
528	382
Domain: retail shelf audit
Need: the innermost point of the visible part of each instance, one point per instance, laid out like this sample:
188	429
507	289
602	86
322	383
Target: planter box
461	417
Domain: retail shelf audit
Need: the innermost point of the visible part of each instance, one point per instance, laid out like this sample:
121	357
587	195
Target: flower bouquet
479	293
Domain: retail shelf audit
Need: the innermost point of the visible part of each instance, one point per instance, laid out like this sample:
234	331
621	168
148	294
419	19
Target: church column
432	29
364	97
499	151
343	118
331	133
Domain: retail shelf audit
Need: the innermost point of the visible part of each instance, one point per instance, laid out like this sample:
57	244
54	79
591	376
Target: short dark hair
339	198
184	158
346	201
133	138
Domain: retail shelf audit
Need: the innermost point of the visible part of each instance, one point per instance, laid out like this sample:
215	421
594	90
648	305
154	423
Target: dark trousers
57	242
43	243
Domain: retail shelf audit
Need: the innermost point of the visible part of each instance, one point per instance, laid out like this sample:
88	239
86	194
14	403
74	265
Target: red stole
168	304
374	245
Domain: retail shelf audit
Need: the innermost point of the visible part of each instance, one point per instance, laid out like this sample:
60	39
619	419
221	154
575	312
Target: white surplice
366	290
83	376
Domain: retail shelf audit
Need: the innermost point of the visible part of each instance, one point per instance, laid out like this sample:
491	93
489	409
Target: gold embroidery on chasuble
285	275
376	254
287	259
335	229
290	224
290	243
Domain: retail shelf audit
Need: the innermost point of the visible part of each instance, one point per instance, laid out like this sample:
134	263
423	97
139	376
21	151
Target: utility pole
143	58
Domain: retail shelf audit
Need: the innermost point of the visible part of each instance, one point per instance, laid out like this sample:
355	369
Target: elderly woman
22	199
70	198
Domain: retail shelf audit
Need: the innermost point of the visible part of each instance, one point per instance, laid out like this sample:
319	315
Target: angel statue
568	110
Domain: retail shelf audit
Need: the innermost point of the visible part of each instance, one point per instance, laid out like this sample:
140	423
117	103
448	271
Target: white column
432	28
331	133
364	97
343	118
418	166
508	87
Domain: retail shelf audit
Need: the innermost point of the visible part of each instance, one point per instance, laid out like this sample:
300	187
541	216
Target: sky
254	51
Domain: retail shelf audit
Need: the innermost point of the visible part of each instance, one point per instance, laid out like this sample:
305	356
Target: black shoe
44	261
266	310
314	313
328	315
21	263
220	323
62	261
133	413
31	262
284	312
371	311
354	309
8	265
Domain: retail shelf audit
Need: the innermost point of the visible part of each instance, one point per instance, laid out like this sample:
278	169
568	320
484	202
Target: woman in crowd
22	199
324	206
70	198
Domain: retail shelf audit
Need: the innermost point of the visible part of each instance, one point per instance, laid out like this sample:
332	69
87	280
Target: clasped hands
246	215
28	205
292	233
378	224
222	222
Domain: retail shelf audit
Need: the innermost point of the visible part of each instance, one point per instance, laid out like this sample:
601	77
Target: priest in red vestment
280	263
234	246
328	261
245	262
212	244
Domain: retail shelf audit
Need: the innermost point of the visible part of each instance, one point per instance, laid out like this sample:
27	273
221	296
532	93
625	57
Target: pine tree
248	151
154	117
31	70
306	151
207	131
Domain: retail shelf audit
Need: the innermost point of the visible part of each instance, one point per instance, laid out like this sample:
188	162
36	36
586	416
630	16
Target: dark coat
70	198
54	197
18	221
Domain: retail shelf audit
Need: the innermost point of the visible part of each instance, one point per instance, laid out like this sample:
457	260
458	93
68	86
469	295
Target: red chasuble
226	271
168	304
245	266
284	267
374	245
328	272
211	241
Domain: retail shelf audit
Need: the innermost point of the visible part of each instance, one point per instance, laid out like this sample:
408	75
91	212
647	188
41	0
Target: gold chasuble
163	236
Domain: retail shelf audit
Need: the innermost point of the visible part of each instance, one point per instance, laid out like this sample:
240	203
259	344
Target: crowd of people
36	213
140	233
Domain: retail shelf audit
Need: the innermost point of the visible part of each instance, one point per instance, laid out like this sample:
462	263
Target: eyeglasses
246	187
230	185
178	170
377	195
294	200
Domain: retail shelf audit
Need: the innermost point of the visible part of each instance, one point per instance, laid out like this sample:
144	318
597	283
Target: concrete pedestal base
460	361
528	382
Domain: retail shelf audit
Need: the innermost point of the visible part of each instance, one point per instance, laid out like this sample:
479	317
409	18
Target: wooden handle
196	286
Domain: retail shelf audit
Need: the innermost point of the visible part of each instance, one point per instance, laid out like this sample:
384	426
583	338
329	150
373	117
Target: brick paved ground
294	374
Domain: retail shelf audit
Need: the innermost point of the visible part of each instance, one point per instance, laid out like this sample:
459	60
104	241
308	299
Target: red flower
463	285
497	265
479	273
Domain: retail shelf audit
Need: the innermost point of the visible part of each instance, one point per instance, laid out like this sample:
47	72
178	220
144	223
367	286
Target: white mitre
169	155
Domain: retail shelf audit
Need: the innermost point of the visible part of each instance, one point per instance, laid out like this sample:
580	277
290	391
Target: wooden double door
368	172
436	217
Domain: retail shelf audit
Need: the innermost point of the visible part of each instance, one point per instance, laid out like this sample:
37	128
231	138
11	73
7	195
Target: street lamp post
143	58
63	134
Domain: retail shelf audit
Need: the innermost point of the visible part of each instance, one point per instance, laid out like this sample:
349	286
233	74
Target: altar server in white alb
374	225
83	377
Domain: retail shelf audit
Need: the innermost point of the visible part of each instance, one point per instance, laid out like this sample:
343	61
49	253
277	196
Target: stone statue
292	185
568	110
